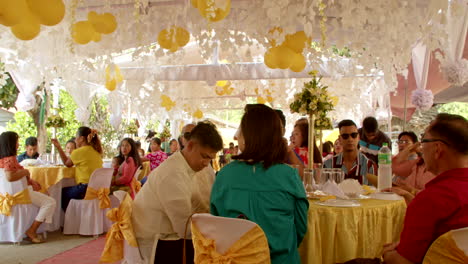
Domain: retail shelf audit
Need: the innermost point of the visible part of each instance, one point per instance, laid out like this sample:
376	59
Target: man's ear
190	145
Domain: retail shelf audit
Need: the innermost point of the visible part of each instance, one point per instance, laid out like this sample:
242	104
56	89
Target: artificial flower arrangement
166	133
55	121
313	99
132	128
323	122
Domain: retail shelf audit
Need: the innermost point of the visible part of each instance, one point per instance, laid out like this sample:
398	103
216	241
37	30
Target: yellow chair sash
252	247
135	185
445	250
120	230
7	201
102	194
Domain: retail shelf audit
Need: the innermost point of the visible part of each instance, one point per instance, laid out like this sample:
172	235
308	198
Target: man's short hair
452	129
410	134
206	134
370	124
346	122
31	141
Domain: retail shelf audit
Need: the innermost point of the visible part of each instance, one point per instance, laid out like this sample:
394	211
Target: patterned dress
156	158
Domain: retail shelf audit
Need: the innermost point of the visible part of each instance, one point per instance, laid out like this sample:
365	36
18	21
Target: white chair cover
84	217
13	227
224	231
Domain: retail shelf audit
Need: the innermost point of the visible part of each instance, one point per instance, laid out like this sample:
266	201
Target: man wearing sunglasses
443	205
371	138
354	163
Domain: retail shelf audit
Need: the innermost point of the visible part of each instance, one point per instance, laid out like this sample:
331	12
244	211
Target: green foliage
23	124
8	93
343	52
456	108
313	99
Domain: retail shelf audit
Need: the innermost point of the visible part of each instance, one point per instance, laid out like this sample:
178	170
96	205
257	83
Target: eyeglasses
346	136
403	142
428	140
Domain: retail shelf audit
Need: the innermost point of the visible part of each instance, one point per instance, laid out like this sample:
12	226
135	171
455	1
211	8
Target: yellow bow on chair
7	201
102	194
135	185
120	230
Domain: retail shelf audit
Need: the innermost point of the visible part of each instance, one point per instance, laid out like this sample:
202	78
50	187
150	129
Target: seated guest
31	150
299	143
443	205
371	138
327	151
164	204
259	186
15	172
353	162
408	164
70	146
86	158
131	161
173	146
156	156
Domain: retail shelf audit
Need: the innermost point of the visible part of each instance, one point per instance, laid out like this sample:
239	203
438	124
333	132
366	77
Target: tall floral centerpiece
315	102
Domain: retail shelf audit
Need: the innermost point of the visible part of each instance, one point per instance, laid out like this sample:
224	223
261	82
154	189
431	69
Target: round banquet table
52	179
340	234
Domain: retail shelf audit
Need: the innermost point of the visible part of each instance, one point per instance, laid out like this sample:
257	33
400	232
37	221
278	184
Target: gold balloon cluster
210	12
24	17
289	53
113	77
85	31
166	102
198	114
263	100
223	88
173	38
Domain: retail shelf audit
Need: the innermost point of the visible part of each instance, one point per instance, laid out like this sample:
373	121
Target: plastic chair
238	240
13	227
450	248
85	217
135	185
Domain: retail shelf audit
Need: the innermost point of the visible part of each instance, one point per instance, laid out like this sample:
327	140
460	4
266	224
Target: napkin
30	162
351	187
386	196
330	187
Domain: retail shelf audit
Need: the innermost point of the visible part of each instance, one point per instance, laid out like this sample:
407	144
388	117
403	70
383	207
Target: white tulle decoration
456	72
422	99
115	121
82	115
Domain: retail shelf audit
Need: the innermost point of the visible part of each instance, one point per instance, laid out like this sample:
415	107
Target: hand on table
397	190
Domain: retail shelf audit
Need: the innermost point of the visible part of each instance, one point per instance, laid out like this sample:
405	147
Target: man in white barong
170	196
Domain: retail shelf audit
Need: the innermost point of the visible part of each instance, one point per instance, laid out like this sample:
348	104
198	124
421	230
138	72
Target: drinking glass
318	176
309	181
326	175
338	175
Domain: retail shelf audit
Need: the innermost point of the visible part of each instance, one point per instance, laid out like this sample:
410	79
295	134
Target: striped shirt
361	167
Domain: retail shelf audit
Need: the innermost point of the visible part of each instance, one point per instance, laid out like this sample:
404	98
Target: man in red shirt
443	204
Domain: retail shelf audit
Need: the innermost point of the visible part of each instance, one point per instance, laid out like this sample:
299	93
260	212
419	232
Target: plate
339	203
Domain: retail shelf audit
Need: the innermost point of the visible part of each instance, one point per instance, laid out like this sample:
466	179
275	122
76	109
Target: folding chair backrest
223	230
101	178
137	172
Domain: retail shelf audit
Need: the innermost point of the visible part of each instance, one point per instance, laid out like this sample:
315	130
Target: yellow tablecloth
145	170
48	176
339	234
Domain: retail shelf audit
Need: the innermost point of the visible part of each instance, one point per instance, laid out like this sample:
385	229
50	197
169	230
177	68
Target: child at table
116	162
13	171
70	146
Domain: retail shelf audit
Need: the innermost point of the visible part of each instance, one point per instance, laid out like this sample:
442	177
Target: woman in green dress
258	185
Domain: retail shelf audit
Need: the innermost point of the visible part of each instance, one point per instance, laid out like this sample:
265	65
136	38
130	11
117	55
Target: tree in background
456	108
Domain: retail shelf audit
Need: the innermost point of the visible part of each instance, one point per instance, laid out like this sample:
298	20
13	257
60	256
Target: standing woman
260	186
156	156
128	152
15	172
86	158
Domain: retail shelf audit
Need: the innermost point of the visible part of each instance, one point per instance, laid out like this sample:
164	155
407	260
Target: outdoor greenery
8	93
455	108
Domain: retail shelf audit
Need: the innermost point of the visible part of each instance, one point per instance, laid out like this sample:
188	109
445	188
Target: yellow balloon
104	23
97	37
270	59
261	100
284	56
29	27
198	114
221	83
165	38
205	7
12	11
111	85
49	12
174	48
82	32
296	41
194	3
298	63
182	36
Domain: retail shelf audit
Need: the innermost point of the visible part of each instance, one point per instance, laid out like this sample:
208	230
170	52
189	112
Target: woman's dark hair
304	128
410	134
133	152
91	137
156	140
262	131
119	159
327	147
370	124
8	142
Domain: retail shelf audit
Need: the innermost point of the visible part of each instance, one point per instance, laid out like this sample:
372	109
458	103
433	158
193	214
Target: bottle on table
385	168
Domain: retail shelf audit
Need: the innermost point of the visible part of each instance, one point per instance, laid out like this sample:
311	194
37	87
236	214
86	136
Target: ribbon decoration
120	230
7	201
102	194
